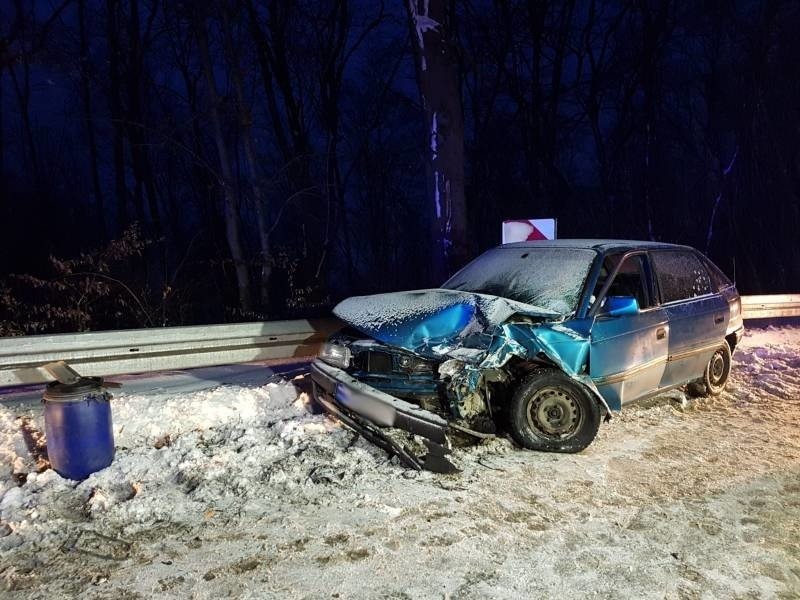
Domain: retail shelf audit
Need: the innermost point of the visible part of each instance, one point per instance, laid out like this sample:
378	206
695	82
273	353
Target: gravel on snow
241	491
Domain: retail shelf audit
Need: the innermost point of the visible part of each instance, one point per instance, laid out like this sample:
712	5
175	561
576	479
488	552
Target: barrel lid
77	390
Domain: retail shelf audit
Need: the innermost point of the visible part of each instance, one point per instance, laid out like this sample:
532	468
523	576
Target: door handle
661	333
718	319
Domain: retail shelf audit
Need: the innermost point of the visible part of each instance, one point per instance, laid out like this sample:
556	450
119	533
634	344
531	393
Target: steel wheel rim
554	412
716	369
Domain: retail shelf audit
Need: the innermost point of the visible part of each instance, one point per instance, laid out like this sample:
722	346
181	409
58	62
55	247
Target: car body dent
480	331
565	344
433	322
476	348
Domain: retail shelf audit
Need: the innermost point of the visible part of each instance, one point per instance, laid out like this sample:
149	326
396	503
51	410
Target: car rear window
680	275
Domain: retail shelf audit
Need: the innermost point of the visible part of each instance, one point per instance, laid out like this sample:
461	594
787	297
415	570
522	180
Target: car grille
375	362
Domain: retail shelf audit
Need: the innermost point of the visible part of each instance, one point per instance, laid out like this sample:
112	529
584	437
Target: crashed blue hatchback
540	339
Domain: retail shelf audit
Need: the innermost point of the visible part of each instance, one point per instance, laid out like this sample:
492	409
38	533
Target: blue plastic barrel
77	421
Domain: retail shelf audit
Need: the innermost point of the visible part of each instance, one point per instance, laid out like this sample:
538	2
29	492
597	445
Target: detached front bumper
366	409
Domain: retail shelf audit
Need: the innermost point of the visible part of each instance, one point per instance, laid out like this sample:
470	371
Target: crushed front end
370	386
435	364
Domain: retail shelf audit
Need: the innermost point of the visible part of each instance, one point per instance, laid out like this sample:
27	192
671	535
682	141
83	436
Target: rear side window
680	275
719	281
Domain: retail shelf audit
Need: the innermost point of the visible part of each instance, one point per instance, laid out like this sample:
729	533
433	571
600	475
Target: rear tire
718	370
715	375
550	411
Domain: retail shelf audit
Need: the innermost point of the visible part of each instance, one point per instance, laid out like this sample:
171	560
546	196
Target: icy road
236	490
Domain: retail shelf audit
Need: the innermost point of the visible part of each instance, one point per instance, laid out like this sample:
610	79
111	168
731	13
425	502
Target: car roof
600	245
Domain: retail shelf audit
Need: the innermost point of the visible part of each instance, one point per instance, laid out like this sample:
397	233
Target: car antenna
734	270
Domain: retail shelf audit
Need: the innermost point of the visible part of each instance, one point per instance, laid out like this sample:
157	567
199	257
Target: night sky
168	163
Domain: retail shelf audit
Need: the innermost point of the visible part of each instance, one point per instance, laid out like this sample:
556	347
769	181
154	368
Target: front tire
551	412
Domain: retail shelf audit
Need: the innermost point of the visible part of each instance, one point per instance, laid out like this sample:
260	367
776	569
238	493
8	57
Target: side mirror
620	306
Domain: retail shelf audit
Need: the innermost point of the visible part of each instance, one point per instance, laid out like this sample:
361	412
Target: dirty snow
239	490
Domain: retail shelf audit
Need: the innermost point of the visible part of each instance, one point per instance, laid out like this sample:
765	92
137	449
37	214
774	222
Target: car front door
698	317
628	353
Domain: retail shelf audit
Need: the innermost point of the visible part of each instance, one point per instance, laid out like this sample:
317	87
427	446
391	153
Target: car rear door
628	353
697	315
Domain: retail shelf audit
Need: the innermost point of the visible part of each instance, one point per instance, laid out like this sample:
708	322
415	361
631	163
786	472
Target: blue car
542	339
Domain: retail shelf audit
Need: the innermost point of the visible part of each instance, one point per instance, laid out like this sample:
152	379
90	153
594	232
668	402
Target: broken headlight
335	354
413	364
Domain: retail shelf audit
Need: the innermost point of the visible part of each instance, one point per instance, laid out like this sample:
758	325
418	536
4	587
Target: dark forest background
169	162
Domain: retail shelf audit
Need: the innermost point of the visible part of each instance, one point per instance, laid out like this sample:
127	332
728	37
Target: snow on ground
237	490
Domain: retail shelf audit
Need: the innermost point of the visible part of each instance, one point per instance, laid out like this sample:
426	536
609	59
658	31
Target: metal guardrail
770	306
142	350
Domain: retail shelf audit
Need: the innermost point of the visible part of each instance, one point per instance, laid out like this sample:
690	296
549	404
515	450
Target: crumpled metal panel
471	328
565	347
438	324
431	323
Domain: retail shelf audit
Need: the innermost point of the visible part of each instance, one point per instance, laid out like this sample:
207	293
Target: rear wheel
717	370
715	376
551	412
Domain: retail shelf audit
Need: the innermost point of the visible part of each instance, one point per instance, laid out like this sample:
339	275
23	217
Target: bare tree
274	135
226	179
136	121
113	34
255	177
88	116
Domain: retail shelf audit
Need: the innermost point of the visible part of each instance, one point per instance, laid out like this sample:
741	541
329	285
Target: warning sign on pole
523	230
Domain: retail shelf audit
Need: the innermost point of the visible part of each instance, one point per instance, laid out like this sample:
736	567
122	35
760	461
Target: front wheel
551	412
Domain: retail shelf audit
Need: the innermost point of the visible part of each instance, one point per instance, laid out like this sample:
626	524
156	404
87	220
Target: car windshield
550	278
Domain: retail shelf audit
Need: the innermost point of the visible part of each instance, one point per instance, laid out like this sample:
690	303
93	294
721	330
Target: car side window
630	280
719	281
680	275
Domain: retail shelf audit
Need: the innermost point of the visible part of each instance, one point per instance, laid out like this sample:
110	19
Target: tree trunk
437	72
334	33
23	93
118	140
140	159
86	94
226	177
253	170
2	144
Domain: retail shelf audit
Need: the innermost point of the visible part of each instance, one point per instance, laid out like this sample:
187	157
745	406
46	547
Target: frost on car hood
432	322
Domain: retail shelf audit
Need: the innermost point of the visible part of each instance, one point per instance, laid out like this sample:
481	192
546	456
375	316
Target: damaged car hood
433	323
475	330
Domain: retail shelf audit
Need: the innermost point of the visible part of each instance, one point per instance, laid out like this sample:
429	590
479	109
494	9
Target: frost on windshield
551	278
